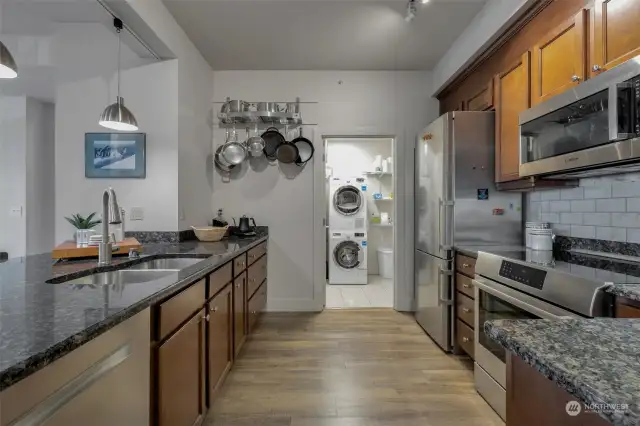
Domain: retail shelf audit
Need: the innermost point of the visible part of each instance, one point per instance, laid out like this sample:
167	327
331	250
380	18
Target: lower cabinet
627	308
256	305
181	375
220	330
239	312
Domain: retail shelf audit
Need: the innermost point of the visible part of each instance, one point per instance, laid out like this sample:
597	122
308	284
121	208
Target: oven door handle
532	309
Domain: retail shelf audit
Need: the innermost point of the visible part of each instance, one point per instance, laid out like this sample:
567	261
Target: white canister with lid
542	239
530	226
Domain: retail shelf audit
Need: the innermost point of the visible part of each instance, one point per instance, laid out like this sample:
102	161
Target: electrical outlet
15	211
136	213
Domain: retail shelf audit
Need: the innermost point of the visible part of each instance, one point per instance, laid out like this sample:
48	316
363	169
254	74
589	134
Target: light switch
137	213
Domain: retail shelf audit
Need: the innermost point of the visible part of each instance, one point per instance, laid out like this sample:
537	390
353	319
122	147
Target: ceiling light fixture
8	67
117	116
411	11
425	1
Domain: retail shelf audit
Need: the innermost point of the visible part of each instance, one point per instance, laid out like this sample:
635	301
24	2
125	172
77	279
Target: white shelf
378	173
383	199
382	225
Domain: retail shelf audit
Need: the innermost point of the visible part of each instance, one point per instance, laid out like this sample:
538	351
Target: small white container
531	226
385	262
384	218
385	166
542	239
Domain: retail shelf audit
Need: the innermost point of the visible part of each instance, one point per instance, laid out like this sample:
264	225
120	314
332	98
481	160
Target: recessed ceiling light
425	1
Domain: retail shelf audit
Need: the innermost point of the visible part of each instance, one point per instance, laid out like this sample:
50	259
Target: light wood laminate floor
347	368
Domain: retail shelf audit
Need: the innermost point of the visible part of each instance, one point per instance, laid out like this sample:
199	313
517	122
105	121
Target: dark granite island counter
597	361
41	322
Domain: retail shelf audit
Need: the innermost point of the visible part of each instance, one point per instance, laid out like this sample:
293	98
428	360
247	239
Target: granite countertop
596	360
629	291
40	322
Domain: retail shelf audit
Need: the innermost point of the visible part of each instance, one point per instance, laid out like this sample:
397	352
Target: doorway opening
360	211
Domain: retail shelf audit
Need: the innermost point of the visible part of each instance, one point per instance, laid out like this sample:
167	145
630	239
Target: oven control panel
523	274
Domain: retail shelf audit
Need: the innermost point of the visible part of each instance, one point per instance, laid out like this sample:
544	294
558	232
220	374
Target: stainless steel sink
122	277
166	264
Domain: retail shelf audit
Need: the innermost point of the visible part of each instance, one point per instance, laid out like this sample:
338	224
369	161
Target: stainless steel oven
594	125
494	301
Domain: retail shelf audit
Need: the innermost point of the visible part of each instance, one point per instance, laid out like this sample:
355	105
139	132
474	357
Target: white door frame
401	200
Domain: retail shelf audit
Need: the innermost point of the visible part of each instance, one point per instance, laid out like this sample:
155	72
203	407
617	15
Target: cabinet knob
596	68
252	280
575	78
466	339
465	265
466	310
466	286
206	317
238	285
214	309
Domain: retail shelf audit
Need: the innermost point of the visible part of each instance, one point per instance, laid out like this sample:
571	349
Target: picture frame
115	155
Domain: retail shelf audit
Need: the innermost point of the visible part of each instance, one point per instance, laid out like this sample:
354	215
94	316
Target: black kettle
244	227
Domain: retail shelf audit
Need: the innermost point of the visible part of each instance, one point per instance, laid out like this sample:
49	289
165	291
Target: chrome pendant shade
118	117
8	67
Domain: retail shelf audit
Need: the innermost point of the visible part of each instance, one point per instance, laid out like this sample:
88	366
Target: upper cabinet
615	33
481	100
511	98
559	60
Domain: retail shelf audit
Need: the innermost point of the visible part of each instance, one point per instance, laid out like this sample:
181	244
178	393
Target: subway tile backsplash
603	208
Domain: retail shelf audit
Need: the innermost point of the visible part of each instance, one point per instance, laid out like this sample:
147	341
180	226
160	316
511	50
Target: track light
117	116
8	68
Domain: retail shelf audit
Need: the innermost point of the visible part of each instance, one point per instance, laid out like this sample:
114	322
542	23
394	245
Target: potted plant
83	227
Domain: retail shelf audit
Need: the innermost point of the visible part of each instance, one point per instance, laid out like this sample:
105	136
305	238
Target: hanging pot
220	162
255	144
287	152
234	152
272	140
305	149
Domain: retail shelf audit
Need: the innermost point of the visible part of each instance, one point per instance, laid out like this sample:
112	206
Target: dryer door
348	200
346	254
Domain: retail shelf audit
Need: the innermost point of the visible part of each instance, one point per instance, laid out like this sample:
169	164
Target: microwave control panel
636	89
523	274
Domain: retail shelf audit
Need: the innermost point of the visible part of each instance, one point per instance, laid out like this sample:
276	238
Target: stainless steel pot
233	152
255	144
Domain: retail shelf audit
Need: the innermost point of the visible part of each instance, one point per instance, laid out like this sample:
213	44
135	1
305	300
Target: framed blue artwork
115	155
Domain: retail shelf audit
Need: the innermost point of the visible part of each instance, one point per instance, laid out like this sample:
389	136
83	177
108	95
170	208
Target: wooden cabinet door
512	90
239	312
615	35
627	308
559	60
181	374
220	338
482	100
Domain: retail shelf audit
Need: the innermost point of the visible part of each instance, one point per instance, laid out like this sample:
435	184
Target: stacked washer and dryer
348	231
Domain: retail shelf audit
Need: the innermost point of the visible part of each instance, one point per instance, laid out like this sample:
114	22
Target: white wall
13	181
493	19
349	103
151	92
40	177
349	158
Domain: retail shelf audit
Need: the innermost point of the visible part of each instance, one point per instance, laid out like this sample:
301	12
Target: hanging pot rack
264	119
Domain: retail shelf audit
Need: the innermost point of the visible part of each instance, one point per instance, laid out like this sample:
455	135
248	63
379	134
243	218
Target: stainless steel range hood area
591	130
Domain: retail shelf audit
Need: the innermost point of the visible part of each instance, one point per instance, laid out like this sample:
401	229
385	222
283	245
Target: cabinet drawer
257	273
256	252
239	264
464	337
220	278
465	265
179	308
464	309
464	285
256	305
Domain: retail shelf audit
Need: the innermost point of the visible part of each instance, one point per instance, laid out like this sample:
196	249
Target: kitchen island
45	320
594	361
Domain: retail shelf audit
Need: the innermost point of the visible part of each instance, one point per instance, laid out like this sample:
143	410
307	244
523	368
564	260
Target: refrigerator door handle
443	223
442	272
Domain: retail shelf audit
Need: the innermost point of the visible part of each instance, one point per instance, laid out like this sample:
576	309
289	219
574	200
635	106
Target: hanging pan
272	140
287	152
305	149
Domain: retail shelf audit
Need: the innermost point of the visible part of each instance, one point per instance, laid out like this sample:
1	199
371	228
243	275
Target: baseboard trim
294	305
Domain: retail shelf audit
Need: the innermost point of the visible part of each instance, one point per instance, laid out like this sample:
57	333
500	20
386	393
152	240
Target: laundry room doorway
360	189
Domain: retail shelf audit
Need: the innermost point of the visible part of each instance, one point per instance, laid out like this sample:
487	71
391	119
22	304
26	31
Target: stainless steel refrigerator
456	204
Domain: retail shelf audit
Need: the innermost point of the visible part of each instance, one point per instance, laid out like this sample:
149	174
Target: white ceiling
322	34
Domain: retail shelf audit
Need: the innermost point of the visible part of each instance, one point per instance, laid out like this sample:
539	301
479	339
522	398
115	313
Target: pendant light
117	116
8	67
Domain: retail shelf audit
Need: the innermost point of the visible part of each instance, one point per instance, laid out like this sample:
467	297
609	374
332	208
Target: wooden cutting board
68	249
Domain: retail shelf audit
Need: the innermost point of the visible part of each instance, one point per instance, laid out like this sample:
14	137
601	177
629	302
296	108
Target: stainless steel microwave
593	126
